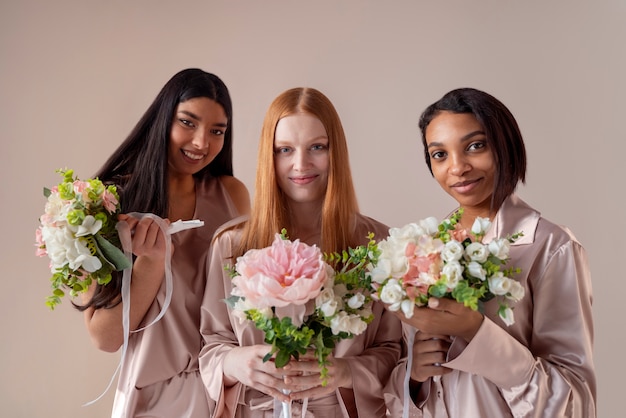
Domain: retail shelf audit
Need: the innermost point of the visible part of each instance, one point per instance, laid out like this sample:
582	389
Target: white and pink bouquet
301	298
78	235
432	259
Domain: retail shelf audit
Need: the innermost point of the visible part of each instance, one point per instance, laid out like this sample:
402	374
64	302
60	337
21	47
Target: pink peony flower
285	276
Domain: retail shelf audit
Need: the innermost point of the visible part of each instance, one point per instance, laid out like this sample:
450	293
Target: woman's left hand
446	317
308	384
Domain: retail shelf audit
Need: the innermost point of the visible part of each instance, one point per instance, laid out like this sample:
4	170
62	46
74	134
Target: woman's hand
429	352
445	317
147	238
246	365
305	380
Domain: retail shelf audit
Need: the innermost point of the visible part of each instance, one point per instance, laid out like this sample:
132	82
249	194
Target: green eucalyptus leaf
112	254
282	358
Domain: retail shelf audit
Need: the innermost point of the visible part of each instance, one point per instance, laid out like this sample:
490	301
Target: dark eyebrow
196	117
463	139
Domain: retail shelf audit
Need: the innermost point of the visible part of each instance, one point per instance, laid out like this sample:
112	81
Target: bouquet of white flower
78	234
428	258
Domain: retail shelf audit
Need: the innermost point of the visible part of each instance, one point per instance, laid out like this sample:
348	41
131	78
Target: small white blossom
382	271
481	226
453	272
357	325
499	284
507	316
476	270
477	251
356	301
500	248
516	291
407	307
452	251
392	294
79	256
340	323
89	226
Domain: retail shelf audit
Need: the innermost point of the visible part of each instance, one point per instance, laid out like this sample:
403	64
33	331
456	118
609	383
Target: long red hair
269	211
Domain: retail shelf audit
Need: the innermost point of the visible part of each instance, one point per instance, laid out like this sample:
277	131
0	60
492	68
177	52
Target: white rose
481	226
452	251
340	323
324	296
328	308
381	272
453	272
356	301
392	294
326	302
357	325
516	291
477	252
500	248
476	270
499	284
393	253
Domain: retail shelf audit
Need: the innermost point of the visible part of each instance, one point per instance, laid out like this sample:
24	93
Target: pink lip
303	179
465	186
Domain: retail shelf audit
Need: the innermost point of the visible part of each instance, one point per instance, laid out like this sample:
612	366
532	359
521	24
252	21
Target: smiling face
461	160
197	135
301	158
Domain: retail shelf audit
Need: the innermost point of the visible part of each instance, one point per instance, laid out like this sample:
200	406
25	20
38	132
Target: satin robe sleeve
554	376
217	330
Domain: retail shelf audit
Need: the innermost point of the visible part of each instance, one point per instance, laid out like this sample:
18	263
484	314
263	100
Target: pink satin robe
160	377
542	365
372	355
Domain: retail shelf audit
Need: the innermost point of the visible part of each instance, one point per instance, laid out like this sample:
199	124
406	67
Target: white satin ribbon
407	376
126	241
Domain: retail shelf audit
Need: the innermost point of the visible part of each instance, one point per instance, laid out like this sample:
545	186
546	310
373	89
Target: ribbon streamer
126	240
407	376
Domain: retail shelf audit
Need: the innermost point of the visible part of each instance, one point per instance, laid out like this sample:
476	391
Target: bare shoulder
238	193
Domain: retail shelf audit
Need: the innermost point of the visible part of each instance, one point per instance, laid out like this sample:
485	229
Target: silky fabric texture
372	355
542	365
160	377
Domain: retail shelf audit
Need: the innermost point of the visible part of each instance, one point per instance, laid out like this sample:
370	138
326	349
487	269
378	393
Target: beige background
76	75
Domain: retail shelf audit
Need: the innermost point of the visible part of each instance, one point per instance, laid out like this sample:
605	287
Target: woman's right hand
429	352
246	365
147	238
148	242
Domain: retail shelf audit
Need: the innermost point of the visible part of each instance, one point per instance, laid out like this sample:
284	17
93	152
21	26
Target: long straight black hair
139	166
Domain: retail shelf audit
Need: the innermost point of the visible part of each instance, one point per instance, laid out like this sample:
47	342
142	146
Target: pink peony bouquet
428	258
77	232
301	298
